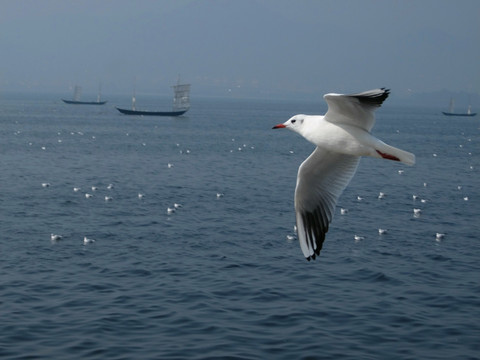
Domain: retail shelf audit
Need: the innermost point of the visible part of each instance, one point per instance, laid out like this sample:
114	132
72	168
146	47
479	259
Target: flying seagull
342	136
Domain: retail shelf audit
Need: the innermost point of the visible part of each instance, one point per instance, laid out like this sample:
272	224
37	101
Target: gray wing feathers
355	109
322	177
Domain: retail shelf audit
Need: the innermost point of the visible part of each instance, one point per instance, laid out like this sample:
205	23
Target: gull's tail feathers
392	153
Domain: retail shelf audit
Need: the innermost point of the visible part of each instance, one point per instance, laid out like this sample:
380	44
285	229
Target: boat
452	109
181	103
151	113
77	93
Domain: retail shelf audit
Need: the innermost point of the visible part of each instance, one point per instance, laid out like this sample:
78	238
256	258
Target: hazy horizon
252	48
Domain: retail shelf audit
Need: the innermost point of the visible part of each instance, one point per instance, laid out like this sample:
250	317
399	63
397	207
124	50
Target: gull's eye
293	121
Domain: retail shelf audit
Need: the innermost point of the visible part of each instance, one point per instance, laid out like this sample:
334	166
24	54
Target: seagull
45	185
382	231
88	241
55	237
358	238
342	136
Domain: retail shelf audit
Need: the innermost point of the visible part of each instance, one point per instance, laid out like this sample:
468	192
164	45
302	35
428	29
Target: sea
221	275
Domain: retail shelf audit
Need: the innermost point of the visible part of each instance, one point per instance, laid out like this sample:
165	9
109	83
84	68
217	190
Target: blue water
218	278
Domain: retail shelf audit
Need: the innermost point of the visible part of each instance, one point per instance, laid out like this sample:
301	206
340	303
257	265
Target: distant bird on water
87	241
342	136
55	237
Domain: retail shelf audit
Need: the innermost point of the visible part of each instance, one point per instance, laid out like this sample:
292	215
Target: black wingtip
373	97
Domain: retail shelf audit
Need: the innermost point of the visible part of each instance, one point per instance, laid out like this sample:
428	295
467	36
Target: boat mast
77	93
99	91
181	98
452	105
134	91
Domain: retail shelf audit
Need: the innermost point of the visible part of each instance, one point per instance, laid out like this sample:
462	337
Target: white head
295	123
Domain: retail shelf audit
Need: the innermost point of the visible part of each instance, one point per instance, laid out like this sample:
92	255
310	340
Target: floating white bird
381	195
170	210
140	195
219	195
94	188
76	189
417	212
88	196
342	136
170	165
45	185
382	231
176	206
343	211
55	237
439	236
358	238
88	241
108	198
110	186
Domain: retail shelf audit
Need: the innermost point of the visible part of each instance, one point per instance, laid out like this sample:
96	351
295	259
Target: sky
245	48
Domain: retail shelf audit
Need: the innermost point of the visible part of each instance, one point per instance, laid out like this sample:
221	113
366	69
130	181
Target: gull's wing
355	109
322	177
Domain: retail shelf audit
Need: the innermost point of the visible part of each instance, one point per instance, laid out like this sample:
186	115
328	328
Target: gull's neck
310	126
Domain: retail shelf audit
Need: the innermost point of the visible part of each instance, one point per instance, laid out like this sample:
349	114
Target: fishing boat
77	93
181	103
451	111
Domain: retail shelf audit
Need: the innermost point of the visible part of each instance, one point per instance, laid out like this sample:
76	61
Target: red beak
279	126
